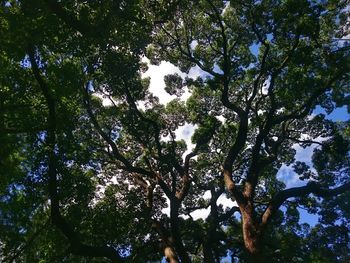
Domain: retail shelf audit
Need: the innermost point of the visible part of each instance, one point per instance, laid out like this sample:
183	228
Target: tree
102	175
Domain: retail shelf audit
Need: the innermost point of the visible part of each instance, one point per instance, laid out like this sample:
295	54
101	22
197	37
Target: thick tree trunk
251	237
175	232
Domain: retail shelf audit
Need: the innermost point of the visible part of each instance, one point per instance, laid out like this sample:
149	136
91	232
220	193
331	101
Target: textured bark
170	255
251	236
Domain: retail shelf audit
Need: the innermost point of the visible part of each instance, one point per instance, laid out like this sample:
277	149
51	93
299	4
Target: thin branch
116	154
304	110
189	56
229	213
305	141
261	73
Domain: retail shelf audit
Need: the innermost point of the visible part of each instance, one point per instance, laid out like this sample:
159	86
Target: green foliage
105	152
173	84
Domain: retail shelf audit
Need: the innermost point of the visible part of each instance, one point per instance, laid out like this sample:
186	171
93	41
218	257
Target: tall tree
268	65
102	174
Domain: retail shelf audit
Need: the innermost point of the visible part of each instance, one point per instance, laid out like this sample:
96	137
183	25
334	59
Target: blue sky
339	114
157	73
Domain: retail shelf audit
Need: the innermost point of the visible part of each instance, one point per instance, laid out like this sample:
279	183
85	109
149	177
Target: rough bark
170	255
251	235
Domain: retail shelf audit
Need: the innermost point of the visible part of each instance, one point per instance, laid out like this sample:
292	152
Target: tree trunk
175	232
208	253
170	255
251	237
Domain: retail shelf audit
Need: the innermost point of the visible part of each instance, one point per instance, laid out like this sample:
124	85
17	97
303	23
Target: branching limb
310	188
189	56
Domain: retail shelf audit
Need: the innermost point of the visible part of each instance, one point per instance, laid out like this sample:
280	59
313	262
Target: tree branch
116	154
310	188
189	56
76	246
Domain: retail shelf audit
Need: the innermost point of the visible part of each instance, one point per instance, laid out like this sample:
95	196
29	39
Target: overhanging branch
310	188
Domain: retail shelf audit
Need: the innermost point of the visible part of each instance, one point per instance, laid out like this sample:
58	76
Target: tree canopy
90	159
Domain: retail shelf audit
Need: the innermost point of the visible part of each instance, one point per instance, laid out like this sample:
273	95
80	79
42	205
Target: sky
286	174
156	75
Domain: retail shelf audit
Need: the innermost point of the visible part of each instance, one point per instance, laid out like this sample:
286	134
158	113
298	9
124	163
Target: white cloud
166	210
157	84
222	200
286	173
106	101
226	202
304	155
197	214
196	72
204	213
221	118
185	133
289	177
200	213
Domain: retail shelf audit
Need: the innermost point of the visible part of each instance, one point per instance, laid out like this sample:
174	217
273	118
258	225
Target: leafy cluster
91	165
